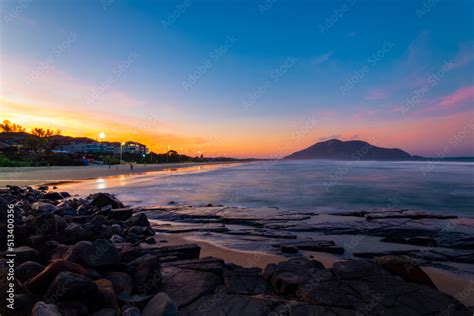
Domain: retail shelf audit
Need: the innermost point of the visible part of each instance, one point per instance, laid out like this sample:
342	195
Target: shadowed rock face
336	149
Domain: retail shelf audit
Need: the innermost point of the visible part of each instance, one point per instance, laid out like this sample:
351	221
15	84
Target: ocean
322	186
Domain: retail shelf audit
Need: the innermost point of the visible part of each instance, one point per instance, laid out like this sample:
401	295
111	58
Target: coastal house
91	147
134	148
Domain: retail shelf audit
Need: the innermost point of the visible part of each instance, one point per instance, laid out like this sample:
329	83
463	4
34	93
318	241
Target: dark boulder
121	214
72	308
100	253
25	253
53	196
43	207
105	296
160	305
138	220
406	268
43	309
286	276
28	270
121	281
104	199
71	286
146	273
41	281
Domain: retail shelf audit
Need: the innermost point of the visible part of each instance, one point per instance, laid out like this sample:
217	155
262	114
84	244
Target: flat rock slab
364	286
184	286
314	245
236	305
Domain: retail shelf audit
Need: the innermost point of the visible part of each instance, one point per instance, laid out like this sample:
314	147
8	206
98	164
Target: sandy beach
46	175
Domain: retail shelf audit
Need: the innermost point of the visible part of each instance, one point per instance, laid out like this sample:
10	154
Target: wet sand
245	259
41	175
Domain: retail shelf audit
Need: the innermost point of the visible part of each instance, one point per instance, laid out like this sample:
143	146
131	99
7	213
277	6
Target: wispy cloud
322	58
458	98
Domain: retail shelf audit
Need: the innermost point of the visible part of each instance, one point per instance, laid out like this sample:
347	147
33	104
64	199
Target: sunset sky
243	78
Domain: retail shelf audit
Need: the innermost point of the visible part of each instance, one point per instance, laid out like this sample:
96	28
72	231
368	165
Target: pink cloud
459	97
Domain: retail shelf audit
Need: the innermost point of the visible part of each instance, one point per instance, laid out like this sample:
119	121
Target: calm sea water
325	186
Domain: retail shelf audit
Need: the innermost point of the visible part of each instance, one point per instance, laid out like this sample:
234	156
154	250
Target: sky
243	78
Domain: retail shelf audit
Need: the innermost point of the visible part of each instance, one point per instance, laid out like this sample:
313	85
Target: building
134	148
92	147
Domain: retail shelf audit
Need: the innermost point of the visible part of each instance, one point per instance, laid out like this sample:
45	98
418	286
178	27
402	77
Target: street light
122	144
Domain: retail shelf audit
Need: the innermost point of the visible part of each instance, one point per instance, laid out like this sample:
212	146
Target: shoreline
30	176
116	258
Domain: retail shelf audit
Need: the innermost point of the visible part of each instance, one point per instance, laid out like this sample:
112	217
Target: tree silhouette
9	127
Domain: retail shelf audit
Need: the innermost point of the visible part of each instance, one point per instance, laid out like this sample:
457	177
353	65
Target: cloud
335	136
322	58
459	97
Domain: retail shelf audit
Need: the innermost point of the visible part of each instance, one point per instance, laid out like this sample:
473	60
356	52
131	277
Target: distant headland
336	149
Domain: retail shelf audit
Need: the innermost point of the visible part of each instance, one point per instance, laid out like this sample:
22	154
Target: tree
9	127
42	133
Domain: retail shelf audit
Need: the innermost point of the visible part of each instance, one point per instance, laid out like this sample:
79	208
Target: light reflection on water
300	185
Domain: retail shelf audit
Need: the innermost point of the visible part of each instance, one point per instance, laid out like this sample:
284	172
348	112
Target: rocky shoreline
94	256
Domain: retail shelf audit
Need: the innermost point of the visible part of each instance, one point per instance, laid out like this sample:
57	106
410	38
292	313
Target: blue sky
251	72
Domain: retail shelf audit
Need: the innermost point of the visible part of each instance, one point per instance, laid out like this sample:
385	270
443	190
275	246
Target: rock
72	308
71	286
137	300
245	281
116	239
369	289
150	241
183	252
288	249
105	199
65	194
53	196
72	253
24	303
160	305
28	270
43	188
43	207
25	253
405	268
43	224
146	273
105	295
121	214
121	281
101	253
422	241
315	245
131	311
39	284
286	276
185	286
138	220
43	309
106	312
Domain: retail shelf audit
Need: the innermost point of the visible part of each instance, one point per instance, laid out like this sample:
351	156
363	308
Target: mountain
336	149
